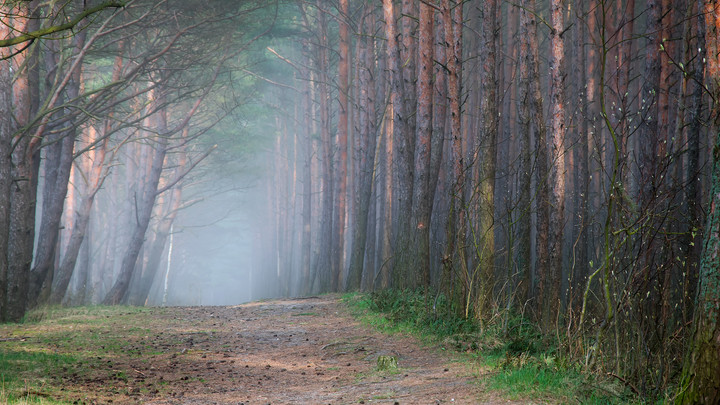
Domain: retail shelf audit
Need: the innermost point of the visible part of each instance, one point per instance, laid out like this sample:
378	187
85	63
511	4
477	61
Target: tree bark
535	111
24	176
455	260
82	218
440	180
551	300
579	162
693	191
338	264
700	382
364	155
6	130
325	253
306	238
393	133
418	275
56	188
403	155
162	232
524	170
488	168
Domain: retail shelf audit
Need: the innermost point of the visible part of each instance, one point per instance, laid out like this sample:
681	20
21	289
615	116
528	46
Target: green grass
55	345
515	359
26	374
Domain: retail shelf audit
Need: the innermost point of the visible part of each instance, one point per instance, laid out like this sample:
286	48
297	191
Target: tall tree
323	94
342	146
455	258
693	193
24	172
558	129
531	116
6	131
648	138
145	200
94	178
488	164
404	153
307	188
58	163
524	170
419	273
364	152
700	383
393	134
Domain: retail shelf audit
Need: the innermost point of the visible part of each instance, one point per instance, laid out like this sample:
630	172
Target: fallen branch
626	382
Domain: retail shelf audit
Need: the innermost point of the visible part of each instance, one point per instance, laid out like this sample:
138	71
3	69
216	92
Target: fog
216	255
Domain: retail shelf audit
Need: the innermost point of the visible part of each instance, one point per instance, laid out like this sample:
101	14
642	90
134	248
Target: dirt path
304	351
301	351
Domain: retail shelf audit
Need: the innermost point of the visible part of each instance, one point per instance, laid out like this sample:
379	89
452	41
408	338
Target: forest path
292	351
299	351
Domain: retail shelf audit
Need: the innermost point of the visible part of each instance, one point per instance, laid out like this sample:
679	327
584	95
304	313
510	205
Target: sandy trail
294	351
302	351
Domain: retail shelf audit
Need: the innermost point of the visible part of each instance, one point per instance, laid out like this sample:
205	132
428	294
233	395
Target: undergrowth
513	357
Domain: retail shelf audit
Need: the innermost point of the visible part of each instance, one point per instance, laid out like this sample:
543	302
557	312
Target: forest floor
297	351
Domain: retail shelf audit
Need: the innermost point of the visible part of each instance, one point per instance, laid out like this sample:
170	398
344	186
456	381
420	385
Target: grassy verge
59	355
513	357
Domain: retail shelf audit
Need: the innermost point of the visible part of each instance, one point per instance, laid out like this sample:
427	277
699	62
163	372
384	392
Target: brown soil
299	351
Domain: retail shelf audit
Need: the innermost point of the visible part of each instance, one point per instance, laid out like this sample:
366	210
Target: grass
43	356
515	359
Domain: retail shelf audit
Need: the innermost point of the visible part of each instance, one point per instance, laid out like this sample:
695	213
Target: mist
543	162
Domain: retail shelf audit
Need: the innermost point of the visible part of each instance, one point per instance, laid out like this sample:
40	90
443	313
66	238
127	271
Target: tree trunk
162	232
693	191
551	300
524	170
700	382
144	203
403	155
393	128
394	137
648	137
364	155
6	130
419	273
579	163
338	253
541	175
55	189
325	253
454	259
24	176
489	128
439	195
82	218
306	238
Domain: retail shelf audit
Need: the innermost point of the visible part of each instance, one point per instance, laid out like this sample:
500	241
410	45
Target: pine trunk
551	300
488	168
